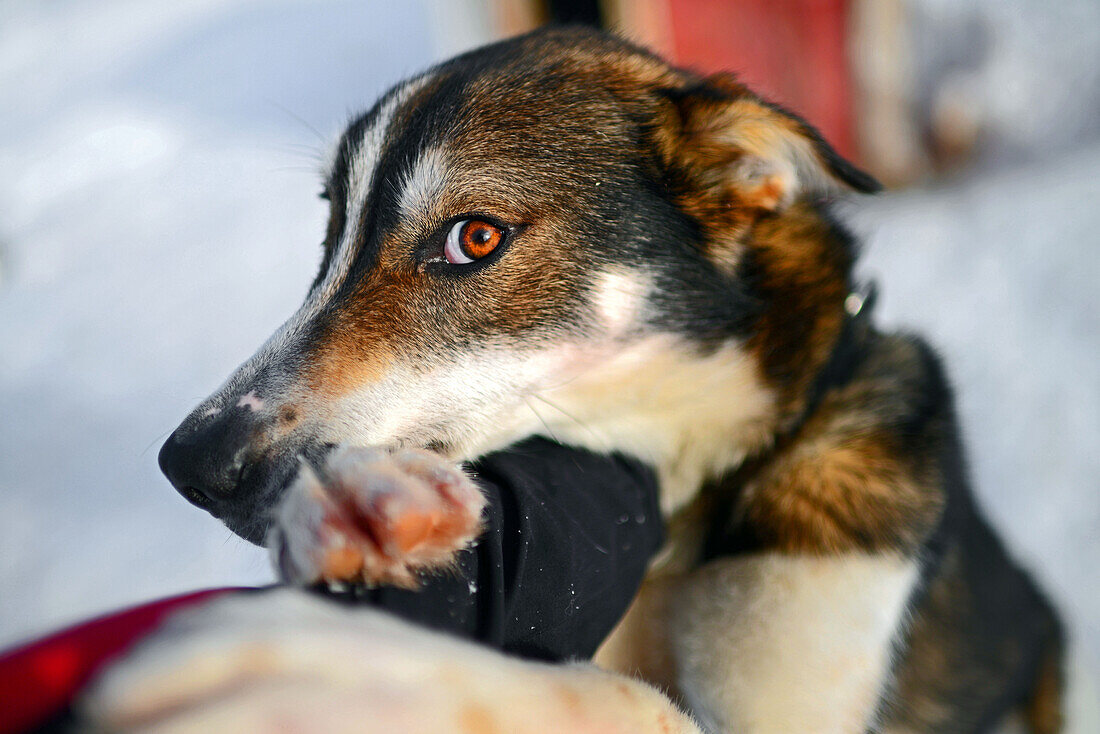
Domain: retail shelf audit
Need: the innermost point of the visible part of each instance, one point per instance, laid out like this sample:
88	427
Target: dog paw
287	661
374	516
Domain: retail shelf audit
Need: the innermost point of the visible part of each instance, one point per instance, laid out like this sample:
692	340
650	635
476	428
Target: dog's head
510	224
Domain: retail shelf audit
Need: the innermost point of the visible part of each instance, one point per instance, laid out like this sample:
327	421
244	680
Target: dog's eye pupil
471	239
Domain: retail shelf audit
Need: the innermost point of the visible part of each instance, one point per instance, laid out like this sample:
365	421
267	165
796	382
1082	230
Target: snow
158	220
1001	274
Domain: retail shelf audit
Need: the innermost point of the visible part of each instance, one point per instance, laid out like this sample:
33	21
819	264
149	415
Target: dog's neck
692	416
697	414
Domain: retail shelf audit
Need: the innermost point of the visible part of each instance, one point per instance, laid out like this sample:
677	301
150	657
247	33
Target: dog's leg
374	516
288	661
782	643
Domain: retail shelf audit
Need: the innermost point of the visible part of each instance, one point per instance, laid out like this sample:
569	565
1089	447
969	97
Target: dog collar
847	352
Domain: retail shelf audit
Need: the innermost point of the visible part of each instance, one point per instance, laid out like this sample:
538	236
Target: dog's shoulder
864	470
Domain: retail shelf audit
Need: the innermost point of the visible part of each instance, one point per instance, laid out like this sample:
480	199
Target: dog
651	252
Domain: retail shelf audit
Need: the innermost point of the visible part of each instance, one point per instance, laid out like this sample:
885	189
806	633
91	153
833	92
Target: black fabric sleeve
569	535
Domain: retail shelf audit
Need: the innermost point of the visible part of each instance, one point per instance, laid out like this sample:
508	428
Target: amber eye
471	239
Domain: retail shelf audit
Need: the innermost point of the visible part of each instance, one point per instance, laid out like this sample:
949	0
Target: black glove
569	535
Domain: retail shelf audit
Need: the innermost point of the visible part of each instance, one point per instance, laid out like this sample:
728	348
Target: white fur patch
619	298
474	400
692	416
251	401
424	182
657	399
777	643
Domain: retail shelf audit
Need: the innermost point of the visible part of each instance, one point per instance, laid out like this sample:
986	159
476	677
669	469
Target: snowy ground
158	219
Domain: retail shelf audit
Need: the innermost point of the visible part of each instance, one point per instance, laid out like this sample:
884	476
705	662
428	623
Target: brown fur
1043	711
845	480
801	275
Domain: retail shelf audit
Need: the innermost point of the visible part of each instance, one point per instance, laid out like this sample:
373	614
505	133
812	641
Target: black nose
204	459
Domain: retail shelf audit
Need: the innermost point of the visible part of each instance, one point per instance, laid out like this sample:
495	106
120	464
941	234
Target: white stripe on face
363	162
360	180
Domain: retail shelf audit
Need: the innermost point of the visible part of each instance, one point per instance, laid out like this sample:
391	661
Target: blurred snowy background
159	218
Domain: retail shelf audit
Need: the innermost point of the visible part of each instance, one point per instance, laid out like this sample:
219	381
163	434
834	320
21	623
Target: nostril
195	497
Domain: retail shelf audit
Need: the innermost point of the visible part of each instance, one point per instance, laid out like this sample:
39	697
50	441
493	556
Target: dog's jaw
650	395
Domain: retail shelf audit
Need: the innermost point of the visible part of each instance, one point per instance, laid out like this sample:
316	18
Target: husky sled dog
651	252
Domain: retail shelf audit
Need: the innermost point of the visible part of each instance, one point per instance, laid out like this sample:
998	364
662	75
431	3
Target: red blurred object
790	51
39	680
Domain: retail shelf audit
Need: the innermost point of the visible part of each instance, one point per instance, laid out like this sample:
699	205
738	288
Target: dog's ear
735	151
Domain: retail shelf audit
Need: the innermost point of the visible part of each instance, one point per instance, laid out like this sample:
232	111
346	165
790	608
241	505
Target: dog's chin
252	530
251	517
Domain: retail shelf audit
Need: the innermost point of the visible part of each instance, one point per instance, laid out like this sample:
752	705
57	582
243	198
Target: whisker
154	442
543	422
301	150
593	432
579	374
295	169
299	119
